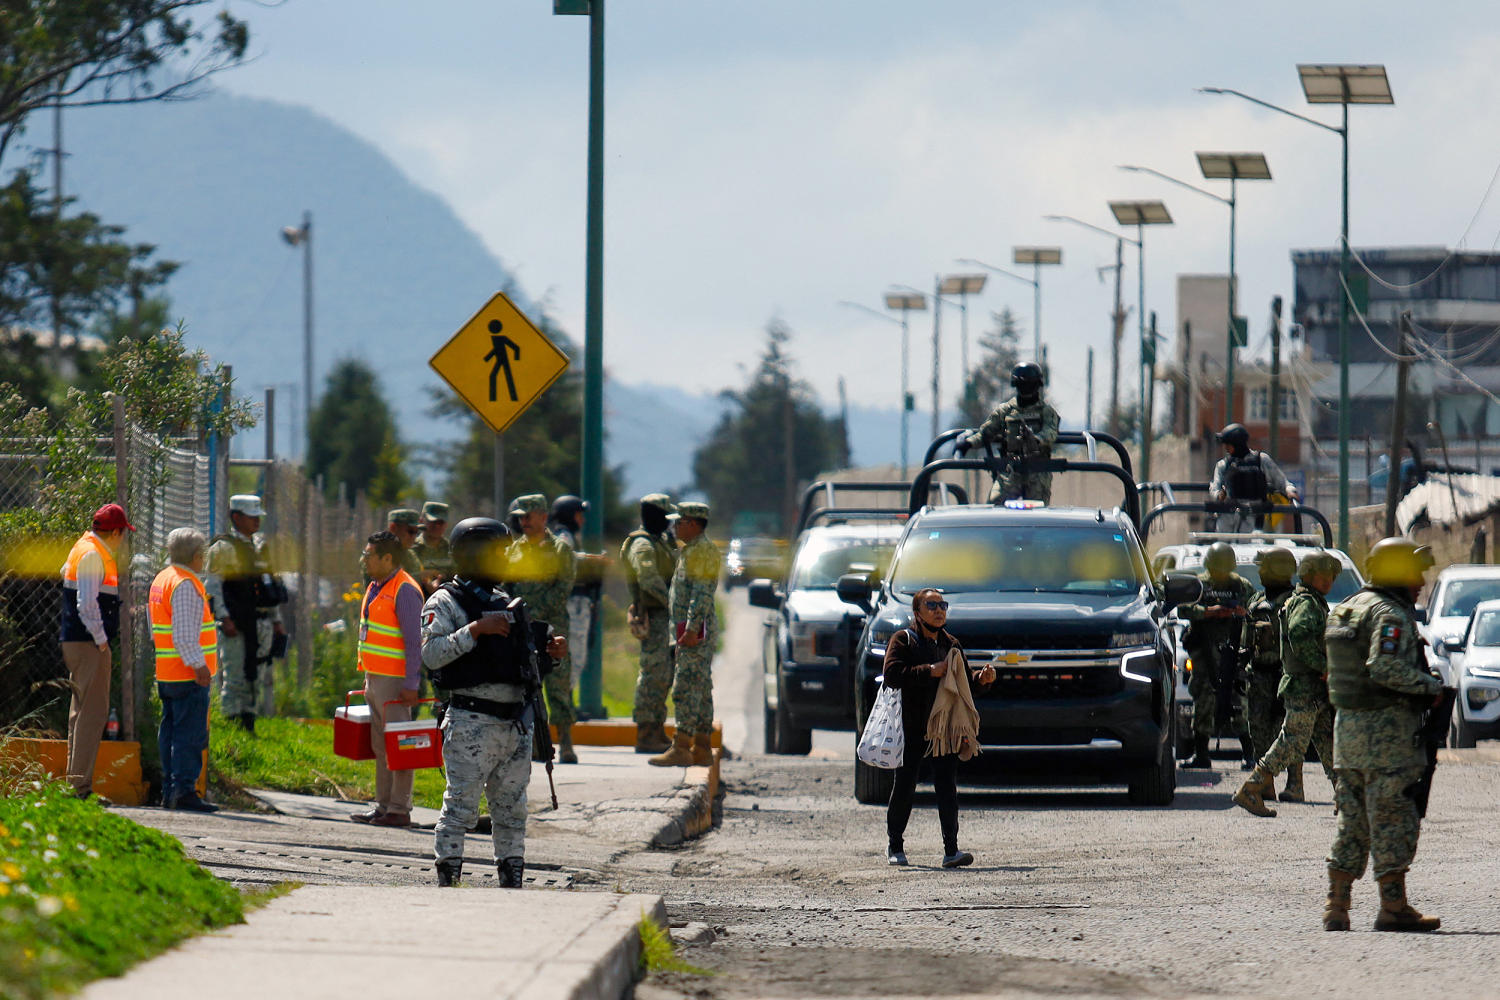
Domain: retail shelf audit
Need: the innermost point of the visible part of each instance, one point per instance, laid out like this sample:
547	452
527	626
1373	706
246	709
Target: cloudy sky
771	158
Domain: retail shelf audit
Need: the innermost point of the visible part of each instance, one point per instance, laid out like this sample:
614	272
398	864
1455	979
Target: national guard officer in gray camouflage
487	729
1261	640
1303	688
650	559
1216	623
1380	686
695	626
246	598
539	569
1026	427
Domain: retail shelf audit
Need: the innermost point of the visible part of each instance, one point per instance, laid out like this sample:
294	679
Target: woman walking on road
917	663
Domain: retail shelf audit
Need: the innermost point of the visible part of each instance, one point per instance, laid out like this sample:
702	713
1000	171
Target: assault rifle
530	645
1434	736
1228	678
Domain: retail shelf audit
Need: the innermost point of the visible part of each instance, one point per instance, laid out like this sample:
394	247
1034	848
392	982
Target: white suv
1456	592
1474	661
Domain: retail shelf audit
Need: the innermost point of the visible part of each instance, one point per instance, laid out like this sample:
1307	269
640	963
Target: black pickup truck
1059	601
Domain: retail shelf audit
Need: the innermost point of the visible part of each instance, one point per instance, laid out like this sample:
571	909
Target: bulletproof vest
1349	633
1206	632
1031	416
666	564
253	586
1246	478
495	659
1266	629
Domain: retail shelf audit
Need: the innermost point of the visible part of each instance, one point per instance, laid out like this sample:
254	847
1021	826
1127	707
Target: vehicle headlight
1122	639
1482	695
811	640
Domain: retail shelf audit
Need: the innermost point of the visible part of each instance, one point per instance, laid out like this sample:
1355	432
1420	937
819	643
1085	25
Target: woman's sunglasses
935	605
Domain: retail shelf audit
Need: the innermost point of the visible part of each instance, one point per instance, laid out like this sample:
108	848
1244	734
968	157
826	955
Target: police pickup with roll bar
1060	602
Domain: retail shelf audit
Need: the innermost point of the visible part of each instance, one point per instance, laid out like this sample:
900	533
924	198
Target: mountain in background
212	182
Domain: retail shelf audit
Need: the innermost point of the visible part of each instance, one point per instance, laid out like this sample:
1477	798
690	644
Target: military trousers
1263	707
237	693
693	686
1308	720
559	683
1206	700
1378	820
483	754
655	679
1032	486
580	625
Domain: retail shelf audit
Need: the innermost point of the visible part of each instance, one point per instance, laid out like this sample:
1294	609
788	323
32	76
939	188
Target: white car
1456	592
1474	660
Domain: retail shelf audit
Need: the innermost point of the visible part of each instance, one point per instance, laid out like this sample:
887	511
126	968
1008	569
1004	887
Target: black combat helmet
475	543
1235	436
566	507
1026	377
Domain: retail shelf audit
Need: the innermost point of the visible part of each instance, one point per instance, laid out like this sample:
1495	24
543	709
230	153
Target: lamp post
1141	214
1117	317
1035	256
1344	85
906	304
962	285
1233	167
301	236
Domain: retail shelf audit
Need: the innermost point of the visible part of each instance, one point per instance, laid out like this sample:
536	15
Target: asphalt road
1074	890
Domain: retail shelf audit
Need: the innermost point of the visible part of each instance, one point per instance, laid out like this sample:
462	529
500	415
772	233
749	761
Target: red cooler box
351	730
412	745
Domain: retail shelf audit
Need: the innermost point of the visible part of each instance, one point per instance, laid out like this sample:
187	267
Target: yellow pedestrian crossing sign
499	362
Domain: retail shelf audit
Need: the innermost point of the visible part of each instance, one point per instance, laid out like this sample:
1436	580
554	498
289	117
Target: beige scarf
953	726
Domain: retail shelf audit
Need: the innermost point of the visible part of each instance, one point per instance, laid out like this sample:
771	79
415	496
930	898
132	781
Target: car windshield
1095	559
1461	597
1343	586
755	548
822	560
1486	631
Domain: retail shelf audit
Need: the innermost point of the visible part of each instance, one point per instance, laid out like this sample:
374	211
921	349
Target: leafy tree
988	384
354	439
79	53
742	464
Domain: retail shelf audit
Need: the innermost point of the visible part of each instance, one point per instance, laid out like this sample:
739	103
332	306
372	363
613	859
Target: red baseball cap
111	517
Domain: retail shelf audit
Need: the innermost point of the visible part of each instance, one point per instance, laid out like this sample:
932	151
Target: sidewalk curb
692	811
611	951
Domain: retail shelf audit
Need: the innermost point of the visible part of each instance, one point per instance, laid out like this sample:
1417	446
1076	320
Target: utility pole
1119	333
937	350
1275	396
789	457
1088	412
1186	410
1148	372
1398	426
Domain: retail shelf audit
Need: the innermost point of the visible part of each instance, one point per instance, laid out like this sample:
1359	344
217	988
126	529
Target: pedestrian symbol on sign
501	349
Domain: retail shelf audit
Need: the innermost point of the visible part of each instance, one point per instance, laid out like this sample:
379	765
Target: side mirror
762	594
1419	614
1181	588
854	588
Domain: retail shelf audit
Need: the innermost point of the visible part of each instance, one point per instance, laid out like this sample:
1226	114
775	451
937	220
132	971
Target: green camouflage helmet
1321	561
1276	565
1219	560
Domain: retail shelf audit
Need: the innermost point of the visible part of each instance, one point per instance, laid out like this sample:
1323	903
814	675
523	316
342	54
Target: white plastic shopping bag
883	743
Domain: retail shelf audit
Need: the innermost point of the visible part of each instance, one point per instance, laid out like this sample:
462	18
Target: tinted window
1461	597
1045	559
822	560
1486	629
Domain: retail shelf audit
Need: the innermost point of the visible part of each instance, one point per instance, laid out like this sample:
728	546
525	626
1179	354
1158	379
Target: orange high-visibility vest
170	666
91	542
381	649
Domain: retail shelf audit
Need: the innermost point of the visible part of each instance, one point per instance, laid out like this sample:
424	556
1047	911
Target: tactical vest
73	629
1245	477
170	666
1266	629
253	587
1205	633
1349	632
666	564
495	659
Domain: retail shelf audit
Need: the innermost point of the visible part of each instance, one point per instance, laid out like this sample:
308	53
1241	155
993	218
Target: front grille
1037	683
1038	640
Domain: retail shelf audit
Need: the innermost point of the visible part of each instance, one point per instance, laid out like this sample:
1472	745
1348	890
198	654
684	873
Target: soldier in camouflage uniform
405	523
1303	687
246	596
432	549
1026	427
650	560
1216	621
487	729
1261	640
1380	686
695	626
539	569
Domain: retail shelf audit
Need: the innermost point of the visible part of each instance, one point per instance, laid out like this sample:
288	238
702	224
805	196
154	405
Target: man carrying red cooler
185	637
390	654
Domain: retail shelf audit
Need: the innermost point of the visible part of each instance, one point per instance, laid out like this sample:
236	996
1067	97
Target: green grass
86	894
658	953
621	657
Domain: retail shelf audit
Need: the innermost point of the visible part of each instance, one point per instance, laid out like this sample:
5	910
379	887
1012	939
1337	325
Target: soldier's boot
565	752
1249	797
680	754
703	750
512	872
1268	787
1201	759
1396	914
449	873
651	737
1293	792
1336	911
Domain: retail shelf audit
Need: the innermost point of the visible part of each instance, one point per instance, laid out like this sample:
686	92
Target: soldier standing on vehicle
695	626
1261	640
246	597
650	559
1212	637
468	648
539	569
1026	427
1380	687
1304	688
1245	475
431	548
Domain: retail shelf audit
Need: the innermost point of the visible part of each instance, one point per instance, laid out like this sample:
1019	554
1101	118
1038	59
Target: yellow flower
4	890
10	870
71	902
